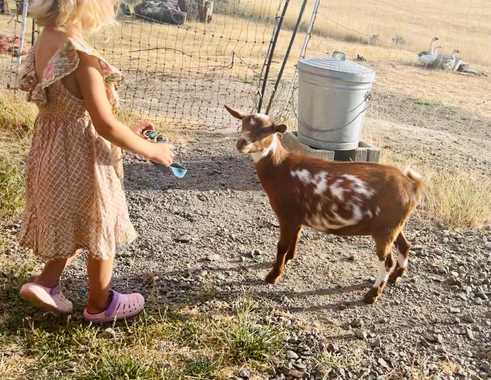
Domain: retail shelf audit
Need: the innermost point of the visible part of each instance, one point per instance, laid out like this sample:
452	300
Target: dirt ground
209	238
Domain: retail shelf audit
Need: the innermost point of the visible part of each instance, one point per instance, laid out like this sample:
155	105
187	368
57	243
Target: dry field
207	241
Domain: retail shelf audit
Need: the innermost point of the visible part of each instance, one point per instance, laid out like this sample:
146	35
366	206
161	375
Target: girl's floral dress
75	198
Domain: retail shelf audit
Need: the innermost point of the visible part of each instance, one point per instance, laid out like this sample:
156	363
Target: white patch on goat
357	214
337	190
382	276
263	117
402	261
303	175
359	186
258	156
319	180
272	147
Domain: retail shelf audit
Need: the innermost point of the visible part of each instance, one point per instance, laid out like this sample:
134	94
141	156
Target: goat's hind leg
293	245
387	264
403	246
286	245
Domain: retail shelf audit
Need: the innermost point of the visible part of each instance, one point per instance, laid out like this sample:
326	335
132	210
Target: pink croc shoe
48	299
122	306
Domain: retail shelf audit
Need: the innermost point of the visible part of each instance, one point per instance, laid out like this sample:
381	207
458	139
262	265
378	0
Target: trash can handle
339	55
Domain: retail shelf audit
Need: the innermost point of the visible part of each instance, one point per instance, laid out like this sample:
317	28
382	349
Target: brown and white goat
342	198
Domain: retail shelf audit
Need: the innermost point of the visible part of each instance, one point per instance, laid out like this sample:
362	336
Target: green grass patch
183	343
11	188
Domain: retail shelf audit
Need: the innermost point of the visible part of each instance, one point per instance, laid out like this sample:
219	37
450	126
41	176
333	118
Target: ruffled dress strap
63	63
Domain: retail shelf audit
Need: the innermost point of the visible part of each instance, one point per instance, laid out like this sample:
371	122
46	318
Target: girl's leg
104	304
52	271
44	291
100	274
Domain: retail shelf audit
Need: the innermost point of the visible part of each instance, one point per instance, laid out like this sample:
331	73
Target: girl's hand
162	154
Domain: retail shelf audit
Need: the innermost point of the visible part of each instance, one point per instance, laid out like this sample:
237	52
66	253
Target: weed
200	368
115	367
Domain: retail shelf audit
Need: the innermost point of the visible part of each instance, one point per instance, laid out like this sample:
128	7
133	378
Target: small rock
361	334
488	245
376	343
300	365
291	355
357	323
244	373
463	296
214	257
332	347
434	338
383	363
469	333
182	238
295	373
109	333
454	310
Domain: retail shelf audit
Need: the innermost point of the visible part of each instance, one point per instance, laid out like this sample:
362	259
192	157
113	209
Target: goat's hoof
371	296
272	278
396	275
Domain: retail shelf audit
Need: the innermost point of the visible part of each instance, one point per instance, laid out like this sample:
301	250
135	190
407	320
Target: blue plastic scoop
176	169
179	171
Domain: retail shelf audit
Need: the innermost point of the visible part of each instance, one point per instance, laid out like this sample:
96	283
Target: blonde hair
82	15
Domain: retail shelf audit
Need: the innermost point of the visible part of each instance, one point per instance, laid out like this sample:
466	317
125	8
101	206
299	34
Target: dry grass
16	120
457	198
408	26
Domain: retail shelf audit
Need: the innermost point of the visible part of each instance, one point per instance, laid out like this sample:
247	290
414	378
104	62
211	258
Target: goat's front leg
286	244
387	265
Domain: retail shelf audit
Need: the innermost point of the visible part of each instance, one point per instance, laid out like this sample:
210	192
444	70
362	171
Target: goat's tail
417	180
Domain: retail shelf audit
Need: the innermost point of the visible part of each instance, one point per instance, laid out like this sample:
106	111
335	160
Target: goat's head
256	131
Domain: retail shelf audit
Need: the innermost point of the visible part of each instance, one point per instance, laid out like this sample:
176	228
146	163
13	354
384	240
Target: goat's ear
234	113
280	128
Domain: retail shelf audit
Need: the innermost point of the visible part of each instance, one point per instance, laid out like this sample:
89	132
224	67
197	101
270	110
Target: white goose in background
448	62
429	57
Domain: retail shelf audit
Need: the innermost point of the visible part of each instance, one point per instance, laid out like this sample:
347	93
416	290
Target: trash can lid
337	68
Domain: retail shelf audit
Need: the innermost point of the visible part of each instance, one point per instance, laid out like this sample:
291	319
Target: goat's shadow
183	288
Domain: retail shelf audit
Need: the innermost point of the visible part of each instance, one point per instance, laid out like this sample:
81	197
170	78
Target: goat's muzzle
241	144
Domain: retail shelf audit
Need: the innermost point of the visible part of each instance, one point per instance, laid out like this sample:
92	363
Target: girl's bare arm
93	90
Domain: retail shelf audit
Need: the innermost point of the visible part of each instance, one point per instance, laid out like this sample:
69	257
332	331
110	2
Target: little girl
75	198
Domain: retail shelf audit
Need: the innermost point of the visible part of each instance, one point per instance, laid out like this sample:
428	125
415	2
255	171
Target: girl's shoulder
62	63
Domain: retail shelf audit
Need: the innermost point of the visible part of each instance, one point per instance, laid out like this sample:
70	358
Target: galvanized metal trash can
333	98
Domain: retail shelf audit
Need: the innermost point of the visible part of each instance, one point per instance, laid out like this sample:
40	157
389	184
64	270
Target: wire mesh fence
185	65
188	71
